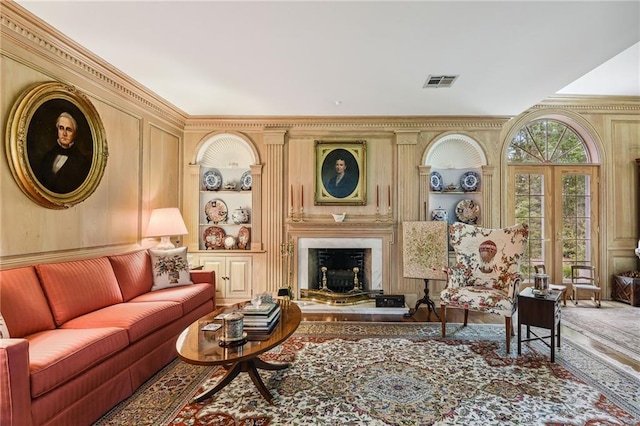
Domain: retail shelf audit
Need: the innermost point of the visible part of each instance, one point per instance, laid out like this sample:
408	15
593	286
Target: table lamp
164	223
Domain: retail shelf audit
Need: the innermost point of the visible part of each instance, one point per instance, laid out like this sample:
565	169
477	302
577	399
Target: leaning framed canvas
340	173
56	145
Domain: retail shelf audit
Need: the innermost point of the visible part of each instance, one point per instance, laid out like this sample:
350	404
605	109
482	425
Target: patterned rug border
607	379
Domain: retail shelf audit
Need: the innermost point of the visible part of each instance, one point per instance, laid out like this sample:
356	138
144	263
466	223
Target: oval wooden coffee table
196	346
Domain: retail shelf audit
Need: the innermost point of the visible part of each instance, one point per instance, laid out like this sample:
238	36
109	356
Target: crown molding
345	123
592	103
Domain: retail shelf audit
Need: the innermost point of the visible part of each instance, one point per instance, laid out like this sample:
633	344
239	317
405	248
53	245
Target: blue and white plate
470	181
245	181
437	184
212	180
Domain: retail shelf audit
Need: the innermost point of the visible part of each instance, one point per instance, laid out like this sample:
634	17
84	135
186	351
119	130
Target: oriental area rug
351	373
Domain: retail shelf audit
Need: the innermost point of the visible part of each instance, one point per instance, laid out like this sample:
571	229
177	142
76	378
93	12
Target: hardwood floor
456	315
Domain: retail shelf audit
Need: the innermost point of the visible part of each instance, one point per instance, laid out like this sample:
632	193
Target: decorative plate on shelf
213	238
243	237
245	181
470	181
216	211
468	211
212	180
437	184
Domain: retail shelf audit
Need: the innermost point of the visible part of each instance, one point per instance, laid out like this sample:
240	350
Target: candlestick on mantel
377	195
291	196
301	196
389	196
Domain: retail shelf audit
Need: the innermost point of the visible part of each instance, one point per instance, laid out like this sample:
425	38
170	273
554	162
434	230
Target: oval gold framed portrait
56	145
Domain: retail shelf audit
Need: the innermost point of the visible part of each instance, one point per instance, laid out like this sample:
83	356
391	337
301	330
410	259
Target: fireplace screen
340	270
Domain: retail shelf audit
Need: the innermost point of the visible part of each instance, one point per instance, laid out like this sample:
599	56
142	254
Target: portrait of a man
59	154
341	176
342	183
340	173
56	145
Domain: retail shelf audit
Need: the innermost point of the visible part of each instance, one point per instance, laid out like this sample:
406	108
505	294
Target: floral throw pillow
170	268
4	331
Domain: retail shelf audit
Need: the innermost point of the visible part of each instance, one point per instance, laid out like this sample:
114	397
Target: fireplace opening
340	270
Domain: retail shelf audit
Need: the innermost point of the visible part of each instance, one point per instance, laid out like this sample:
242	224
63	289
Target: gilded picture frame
341	172
56	145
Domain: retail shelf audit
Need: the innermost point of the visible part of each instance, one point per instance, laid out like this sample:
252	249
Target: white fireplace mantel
377	236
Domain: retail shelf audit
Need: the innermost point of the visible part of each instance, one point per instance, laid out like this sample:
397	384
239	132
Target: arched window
547	141
553	186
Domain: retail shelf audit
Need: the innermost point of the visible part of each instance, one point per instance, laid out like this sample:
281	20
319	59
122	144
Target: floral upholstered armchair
486	275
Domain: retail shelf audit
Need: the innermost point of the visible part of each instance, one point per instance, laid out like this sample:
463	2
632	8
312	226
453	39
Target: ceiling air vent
440	81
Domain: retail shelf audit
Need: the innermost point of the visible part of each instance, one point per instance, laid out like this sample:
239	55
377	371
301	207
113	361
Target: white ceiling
360	57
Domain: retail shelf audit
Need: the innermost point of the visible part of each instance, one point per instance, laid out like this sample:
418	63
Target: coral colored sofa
86	334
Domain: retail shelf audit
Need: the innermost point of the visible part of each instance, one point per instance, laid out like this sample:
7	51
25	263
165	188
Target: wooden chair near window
583	277
540	269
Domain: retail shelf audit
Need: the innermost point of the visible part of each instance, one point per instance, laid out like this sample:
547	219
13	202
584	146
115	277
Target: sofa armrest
15	392
203	277
209	277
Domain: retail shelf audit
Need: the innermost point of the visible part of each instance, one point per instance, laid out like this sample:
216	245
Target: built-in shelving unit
452	180
228	213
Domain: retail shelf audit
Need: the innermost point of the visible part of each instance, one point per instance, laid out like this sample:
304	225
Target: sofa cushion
57	356
133	272
170	268
22	302
77	287
190	297
139	319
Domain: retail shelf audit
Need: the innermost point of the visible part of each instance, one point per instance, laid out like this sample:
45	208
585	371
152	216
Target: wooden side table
543	312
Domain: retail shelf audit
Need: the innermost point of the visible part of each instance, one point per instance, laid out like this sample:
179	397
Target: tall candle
291	197
389	196
301	196
377	195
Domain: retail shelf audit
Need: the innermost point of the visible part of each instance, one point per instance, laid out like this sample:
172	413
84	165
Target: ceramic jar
439	214
232	326
240	216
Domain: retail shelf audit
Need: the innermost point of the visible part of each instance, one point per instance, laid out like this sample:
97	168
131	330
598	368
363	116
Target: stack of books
260	320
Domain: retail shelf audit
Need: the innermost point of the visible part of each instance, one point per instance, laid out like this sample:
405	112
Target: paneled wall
152	147
144	137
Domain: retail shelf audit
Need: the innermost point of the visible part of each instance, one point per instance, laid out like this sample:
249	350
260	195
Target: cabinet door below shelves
233	275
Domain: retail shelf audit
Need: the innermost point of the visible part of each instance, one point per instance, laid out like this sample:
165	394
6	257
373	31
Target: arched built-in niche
455	151
226	150
229	193
453	180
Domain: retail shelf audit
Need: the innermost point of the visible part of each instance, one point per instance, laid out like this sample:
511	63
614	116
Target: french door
560	204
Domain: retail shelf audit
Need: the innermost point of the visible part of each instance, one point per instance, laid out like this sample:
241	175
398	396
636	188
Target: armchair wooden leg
466	317
443	319
509	329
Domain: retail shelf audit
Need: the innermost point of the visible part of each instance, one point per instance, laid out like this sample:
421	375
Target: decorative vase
439	214
174	277
240	216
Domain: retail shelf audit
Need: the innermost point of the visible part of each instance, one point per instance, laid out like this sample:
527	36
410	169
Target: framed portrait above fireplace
340	173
